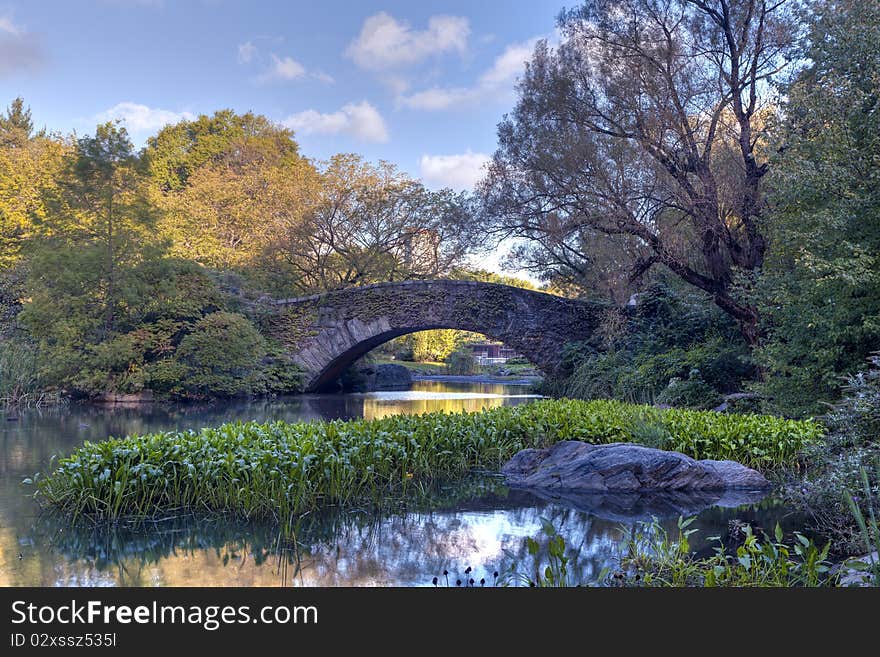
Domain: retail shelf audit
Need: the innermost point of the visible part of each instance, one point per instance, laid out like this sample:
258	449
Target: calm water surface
479	524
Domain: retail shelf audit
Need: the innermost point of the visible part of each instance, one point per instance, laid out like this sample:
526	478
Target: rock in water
624	467
736	476
388	376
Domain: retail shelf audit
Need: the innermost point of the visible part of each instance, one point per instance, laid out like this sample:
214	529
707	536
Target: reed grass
278	469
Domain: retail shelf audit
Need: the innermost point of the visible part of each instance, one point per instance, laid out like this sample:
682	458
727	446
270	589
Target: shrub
652	558
279	468
665	336
834	467
19	365
462	362
223	354
868	526
692	392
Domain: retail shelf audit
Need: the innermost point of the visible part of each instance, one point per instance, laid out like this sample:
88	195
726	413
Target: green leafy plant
652	558
553	573
280	468
869	528
461	361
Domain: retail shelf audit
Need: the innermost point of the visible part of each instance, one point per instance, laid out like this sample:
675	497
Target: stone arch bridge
326	333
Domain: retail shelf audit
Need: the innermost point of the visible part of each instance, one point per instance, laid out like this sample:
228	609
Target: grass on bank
278	469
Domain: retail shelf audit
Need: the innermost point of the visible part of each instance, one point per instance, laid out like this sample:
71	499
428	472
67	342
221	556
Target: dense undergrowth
276	469
843	469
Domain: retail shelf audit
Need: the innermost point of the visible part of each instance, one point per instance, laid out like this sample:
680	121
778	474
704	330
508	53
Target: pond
478	523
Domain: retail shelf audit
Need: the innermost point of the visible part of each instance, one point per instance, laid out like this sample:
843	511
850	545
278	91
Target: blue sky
420	84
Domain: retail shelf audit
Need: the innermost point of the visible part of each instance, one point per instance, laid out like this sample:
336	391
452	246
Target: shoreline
478	378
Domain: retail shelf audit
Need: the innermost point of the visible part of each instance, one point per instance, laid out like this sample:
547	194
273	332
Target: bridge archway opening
488	355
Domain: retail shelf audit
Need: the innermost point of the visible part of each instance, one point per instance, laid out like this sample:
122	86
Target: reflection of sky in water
486	533
351	549
409	395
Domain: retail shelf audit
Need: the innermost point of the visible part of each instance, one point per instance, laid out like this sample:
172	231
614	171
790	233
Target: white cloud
7	26
323	77
283	68
440	98
140	118
509	65
497	79
246	52
20	50
386	43
360	120
462	171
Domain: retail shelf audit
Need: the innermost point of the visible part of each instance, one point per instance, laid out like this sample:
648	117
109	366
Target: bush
693	392
652	558
278	375
462	362
834	467
19	365
666	336
278	468
223	354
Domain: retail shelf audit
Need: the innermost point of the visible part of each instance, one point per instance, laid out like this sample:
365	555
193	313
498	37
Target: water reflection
480	524
342	549
28	445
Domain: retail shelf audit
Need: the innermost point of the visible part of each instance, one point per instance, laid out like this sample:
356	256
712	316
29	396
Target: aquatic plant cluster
653	558
277	469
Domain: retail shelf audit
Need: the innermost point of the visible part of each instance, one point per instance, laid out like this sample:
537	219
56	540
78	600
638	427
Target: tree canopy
645	126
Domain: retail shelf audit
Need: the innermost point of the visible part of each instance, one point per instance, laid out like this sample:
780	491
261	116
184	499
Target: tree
371	223
433	346
178	150
104	199
231	208
16	127
821	285
645	125
223	352
30	164
227	184
83	279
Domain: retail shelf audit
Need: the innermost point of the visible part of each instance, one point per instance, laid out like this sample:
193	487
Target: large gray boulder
574	466
388	376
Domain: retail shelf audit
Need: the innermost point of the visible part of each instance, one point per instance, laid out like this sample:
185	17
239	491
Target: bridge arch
326	333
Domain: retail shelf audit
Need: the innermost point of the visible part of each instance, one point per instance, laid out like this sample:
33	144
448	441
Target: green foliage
667	336
461	362
16	126
30	168
836	467
432	346
857	415
553	574
161	299
868	525
820	291
278	468
692	392
19	365
223	353
652	558
178	150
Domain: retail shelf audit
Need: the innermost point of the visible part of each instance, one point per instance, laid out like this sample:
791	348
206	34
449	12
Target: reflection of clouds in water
411	550
354	550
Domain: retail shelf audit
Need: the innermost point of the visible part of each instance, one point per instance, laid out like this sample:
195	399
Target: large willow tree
641	133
